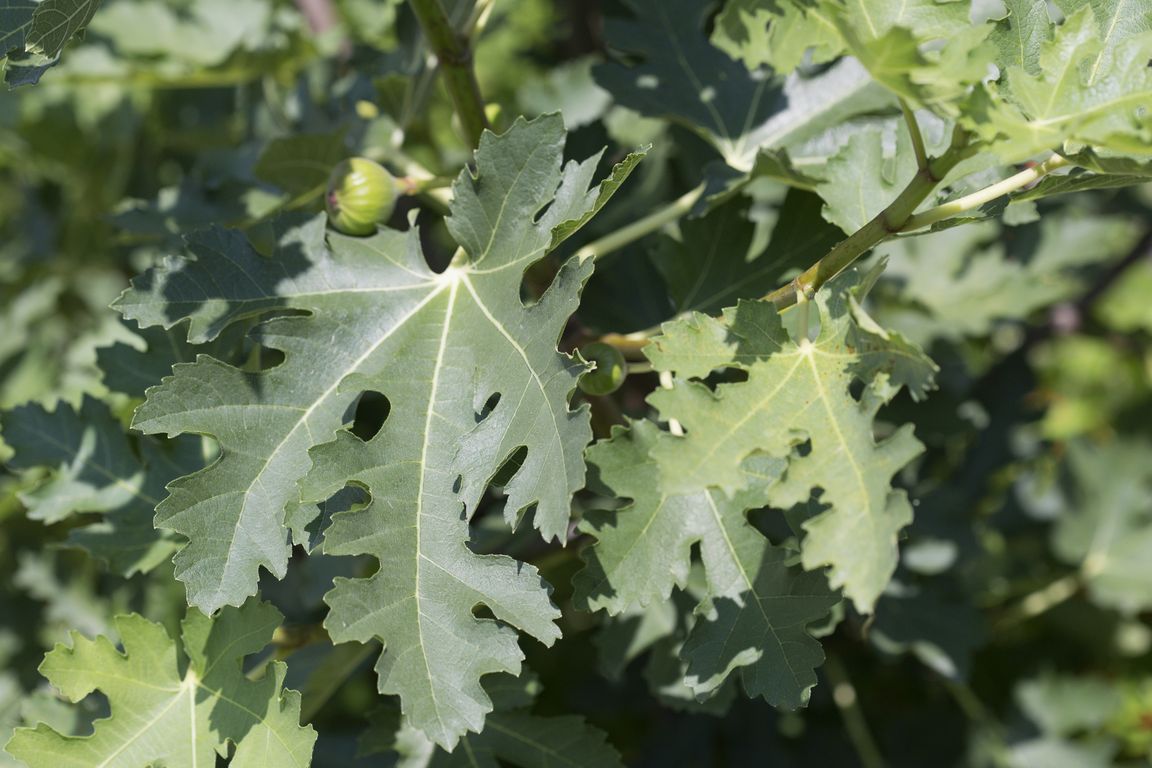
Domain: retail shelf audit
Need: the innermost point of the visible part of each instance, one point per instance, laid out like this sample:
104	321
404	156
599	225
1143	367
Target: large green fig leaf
175	705
797	404
1106	528
472	377
757	605
1083	82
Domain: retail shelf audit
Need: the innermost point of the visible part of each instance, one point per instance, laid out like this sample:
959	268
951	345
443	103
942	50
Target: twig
986	195
454	53
898	217
915	134
885	224
844	695
598	249
980	719
1041	601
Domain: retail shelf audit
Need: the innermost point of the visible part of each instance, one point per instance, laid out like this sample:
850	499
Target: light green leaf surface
961	282
757	605
1107	529
177	705
777	33
798	393
925	51
472	376
862	180
1088	83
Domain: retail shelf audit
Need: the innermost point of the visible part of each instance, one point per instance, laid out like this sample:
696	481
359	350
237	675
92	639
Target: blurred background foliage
1017	632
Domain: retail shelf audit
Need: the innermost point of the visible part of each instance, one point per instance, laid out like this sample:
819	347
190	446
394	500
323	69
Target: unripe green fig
360	194
610	371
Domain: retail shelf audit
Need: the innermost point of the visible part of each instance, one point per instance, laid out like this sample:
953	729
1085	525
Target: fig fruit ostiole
610	371
361	193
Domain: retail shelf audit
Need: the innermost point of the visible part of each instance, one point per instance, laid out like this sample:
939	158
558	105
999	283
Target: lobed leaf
756	606
798	393
175	704
472	377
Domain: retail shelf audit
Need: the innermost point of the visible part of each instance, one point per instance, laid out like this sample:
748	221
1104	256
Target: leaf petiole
915	134
598	249
986	195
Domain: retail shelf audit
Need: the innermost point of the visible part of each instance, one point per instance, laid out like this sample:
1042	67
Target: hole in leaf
726	376
510	467
525	516
266	358
856	389
489	406
804	448
372	409
481	611
540	213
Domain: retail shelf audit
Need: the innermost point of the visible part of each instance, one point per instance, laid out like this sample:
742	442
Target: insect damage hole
371	411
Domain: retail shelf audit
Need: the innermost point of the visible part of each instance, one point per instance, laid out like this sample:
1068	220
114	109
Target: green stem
454	54
888	222
844	695
984	725
597	249
986	195
915	134
1042	600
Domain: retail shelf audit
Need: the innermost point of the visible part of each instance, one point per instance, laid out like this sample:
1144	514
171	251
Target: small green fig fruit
610	371
360	194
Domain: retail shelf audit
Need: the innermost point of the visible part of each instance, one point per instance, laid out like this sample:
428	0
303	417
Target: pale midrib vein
144	729
764	401
1106	42
504	203
192	718
420	489
748	583
520	350
1138	97
274	297
337	380
835	425
686	66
